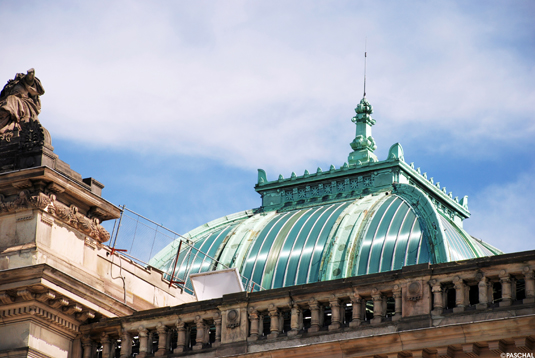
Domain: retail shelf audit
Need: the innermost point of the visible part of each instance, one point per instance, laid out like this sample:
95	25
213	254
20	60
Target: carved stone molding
70	215
5	298
25	294
43	313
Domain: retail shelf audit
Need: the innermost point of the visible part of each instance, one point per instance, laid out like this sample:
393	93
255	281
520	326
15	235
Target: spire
363	145
365	58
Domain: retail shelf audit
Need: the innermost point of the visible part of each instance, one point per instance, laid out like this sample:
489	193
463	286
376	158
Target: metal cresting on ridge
516	355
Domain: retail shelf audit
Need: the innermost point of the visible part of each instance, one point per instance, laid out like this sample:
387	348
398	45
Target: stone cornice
66	189
44	277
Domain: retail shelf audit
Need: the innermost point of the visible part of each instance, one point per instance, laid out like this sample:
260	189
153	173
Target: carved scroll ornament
69	215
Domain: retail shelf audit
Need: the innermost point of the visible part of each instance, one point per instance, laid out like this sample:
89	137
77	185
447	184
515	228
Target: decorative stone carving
414	291
85	315
69	215
58	303
233	319
47	296
72	309
19	100
25	294
6	298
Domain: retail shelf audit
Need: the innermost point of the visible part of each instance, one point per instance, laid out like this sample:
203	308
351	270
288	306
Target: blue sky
173	105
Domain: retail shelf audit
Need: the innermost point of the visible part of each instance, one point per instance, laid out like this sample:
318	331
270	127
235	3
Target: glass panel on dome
483	248
378	242
309	245
189	256
284	254
275	224
392	237
212	249
297	249
424	255
314	265
267	259
363	256
459	247
414	244
400	250
200	255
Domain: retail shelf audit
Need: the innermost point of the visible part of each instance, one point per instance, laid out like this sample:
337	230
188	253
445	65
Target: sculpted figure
19	100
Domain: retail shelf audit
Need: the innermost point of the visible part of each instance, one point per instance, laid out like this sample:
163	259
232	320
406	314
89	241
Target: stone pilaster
483	288
181	337
274	327
378	307
162	340
217	323
296	320
507	297
396	292
87	345
314	315
126	344
460	295
254	331
335	314
356	302
106	345
143	335
201	331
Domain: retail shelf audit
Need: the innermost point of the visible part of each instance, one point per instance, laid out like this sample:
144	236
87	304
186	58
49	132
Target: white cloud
502	215
274	83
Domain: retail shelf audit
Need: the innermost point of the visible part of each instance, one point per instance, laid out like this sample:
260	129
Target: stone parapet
421	310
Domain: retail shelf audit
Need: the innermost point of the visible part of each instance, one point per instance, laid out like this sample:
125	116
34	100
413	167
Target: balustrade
349	307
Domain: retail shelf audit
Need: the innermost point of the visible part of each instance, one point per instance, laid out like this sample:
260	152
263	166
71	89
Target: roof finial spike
365	58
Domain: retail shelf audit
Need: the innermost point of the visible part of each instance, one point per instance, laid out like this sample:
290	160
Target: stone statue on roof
19	100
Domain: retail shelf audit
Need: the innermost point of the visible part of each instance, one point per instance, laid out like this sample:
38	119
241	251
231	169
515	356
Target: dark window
473	295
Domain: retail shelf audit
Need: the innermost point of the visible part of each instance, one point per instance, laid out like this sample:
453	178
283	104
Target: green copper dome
375	233
365	217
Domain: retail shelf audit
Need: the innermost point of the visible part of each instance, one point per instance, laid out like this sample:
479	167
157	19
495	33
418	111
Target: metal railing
139	239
